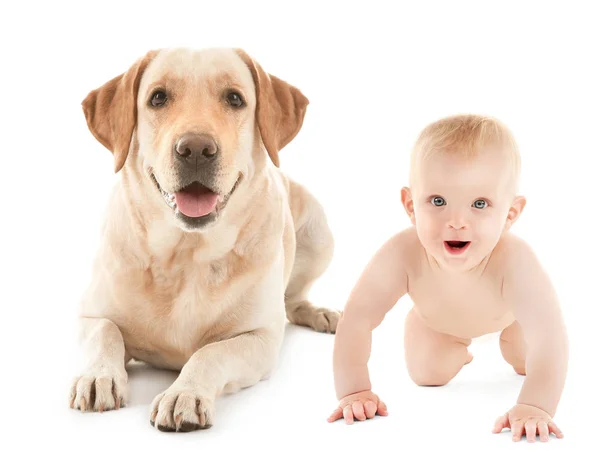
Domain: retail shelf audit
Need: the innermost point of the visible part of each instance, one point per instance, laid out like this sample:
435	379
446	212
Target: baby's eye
481	204
438	201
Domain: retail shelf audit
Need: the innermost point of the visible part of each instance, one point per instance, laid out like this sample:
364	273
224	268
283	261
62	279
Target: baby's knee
520	369
514	355
434	373
437	367
430	378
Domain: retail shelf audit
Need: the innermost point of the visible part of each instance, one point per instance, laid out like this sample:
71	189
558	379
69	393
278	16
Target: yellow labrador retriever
206	245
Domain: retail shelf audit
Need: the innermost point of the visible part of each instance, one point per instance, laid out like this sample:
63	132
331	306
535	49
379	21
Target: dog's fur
208	298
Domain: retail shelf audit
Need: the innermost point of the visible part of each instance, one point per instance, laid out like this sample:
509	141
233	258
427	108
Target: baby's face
461	206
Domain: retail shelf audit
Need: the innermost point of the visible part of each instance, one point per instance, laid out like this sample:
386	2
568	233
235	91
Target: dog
206	245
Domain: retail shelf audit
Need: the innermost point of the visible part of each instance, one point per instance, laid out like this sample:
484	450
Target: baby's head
462	193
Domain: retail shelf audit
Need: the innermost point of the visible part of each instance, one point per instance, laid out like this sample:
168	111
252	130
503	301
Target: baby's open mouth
456	247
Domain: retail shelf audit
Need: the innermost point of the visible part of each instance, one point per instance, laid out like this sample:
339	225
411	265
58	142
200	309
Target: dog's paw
98	392
325	320
181	410
320	319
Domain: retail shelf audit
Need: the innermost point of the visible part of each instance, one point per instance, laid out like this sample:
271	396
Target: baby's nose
457	222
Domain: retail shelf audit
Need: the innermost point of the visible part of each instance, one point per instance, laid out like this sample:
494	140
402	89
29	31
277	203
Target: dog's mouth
195	200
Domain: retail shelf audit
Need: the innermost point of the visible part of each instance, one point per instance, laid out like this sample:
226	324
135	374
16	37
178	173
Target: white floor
287	413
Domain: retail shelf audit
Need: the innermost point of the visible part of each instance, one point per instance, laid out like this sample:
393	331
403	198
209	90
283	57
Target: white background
375	75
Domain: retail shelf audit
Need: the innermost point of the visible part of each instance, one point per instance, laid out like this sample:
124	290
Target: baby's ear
407	201
515	211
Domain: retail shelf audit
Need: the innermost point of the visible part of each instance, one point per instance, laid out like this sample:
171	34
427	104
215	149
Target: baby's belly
464	323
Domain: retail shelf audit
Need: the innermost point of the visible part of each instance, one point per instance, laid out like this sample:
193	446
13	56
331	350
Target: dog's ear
111	110
280	108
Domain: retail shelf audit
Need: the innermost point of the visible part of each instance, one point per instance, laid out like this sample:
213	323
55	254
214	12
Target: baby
467	276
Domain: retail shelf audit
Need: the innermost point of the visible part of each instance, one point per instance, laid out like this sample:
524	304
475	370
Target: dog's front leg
224	366
103	382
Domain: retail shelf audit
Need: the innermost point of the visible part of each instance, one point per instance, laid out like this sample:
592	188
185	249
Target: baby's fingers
358	410
530	430
517	430
543	430
370	409
500	424
348	415
382	408
337	414
555	430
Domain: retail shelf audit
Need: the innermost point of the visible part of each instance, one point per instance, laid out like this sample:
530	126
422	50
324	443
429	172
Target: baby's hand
361	406
529	418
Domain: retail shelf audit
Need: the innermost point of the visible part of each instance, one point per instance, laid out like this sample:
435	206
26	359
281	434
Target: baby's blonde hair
465	135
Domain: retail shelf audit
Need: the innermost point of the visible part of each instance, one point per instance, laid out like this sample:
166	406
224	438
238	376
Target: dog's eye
158	98
234	99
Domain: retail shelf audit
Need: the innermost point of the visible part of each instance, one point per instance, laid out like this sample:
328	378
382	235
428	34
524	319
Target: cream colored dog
206	245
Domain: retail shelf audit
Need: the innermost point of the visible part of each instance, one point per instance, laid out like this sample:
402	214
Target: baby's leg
432	358
512	346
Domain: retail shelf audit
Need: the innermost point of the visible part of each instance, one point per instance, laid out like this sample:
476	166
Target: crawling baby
467	276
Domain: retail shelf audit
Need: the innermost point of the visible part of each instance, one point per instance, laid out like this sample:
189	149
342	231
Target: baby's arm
537	310
383	282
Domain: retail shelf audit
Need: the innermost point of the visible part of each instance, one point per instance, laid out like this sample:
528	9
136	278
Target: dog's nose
193	146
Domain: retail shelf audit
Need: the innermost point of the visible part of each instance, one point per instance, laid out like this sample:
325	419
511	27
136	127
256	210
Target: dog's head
196	120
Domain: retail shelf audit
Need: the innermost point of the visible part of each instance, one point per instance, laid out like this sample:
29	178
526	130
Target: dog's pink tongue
195	204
